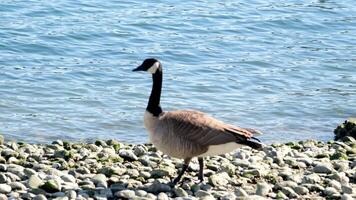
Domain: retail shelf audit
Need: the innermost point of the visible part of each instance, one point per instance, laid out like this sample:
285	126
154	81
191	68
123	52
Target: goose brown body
189	133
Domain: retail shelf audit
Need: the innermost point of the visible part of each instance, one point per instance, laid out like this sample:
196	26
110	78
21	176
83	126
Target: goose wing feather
200	128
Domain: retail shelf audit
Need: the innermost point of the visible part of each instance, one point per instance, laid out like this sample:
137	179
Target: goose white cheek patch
153	68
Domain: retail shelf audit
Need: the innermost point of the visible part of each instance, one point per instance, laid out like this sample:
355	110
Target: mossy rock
339	156
348	128
51	186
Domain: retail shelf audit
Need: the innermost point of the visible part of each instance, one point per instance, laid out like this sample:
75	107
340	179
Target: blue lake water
287	68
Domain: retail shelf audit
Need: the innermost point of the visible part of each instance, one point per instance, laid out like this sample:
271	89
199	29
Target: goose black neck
153	103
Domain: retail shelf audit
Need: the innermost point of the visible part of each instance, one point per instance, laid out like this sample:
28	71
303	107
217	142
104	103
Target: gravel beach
114	170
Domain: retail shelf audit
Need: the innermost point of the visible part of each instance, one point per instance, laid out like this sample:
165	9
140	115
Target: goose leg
184	168
201	168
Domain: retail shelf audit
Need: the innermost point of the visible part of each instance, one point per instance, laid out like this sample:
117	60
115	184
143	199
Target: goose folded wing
202	129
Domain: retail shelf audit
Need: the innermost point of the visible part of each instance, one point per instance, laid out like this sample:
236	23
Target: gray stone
3	178
202	193
179	192
40	197
34	182
71	194
100	180
289	192
314	187
17	186
4	197
140	193
330	191
144	174
29	172
160	173
346	197
311	178
281	195
229	168
157	187
241	192
341	177
68	178
3	168
162	196
219	179
323	168
347	189
335	184
139	150
263	189
128	194
4	188
127	155
301	190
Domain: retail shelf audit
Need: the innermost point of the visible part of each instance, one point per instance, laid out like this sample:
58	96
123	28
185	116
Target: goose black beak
139	68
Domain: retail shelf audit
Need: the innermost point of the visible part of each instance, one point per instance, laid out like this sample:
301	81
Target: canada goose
187	133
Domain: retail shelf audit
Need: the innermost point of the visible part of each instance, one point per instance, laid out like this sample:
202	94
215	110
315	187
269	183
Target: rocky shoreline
113	170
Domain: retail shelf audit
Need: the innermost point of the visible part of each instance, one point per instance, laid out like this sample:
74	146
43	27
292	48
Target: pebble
330	191
157	187
219	179
34	182
128	194
241	192
4	188
263	189
346	197
162	196
323	168
289	192
127	155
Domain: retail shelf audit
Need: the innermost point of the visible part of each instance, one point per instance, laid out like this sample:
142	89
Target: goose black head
150	65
